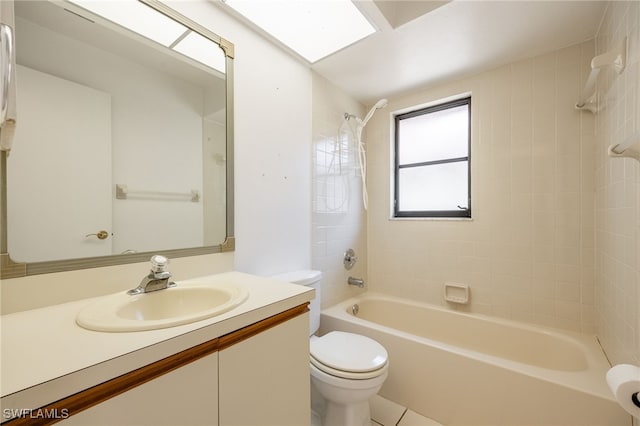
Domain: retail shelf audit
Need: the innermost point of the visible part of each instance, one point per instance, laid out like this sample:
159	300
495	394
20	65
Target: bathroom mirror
123	144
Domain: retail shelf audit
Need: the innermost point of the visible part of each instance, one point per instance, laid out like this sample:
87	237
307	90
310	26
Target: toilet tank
312	279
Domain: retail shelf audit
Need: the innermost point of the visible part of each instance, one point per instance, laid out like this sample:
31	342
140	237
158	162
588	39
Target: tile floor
388	413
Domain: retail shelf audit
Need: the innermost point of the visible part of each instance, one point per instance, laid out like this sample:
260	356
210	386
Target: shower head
380	104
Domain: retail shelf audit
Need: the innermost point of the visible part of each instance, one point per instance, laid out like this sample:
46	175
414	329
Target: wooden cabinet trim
87	398
258	327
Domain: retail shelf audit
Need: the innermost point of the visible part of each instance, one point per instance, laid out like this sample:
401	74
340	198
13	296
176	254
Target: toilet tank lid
303	277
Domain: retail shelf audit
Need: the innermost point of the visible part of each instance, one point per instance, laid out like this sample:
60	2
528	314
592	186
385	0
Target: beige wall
339	220
528	253
617	191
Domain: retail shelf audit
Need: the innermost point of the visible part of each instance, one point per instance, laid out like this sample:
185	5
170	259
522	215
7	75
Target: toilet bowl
346	369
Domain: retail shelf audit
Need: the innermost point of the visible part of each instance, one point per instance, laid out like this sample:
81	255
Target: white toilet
346	368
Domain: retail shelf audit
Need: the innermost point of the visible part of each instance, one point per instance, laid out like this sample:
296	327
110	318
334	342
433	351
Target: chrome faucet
158	278
359	282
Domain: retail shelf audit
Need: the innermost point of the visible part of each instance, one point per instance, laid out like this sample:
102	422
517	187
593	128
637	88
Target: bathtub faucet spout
359	282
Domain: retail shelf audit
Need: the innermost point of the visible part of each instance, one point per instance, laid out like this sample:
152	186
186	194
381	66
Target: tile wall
618	191
529	252
339	220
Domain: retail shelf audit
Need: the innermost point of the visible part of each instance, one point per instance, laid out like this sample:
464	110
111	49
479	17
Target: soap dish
456	293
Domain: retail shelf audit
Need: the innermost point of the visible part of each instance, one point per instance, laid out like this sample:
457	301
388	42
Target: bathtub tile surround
617	256
339	220
528	252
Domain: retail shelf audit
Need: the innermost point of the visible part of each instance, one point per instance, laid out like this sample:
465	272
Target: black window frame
462	212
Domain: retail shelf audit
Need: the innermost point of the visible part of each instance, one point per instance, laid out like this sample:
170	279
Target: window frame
461	213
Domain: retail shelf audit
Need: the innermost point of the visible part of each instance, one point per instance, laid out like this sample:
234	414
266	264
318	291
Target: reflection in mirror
120	146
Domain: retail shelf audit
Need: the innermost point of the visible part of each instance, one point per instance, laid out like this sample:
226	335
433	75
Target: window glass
435	136
439	187
433	161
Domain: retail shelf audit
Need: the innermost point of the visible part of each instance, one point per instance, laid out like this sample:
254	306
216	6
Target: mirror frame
11	269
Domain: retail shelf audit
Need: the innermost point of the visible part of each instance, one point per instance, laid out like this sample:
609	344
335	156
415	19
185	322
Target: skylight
141	19
137	17
312	28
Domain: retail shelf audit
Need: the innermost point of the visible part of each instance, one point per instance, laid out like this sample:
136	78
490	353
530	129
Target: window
433	161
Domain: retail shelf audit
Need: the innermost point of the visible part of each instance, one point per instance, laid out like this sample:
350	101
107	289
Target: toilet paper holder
624	382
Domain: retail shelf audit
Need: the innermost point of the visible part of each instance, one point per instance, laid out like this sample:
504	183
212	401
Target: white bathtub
462	369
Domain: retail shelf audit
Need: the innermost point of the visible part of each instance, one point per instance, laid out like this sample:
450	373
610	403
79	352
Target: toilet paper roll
624	382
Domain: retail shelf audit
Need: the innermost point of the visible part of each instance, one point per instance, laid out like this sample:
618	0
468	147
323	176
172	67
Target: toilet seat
348	355
347	374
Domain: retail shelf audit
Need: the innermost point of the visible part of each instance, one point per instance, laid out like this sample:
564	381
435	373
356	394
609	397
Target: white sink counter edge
46	356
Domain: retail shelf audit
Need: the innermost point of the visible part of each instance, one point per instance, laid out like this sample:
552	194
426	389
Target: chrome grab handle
6	40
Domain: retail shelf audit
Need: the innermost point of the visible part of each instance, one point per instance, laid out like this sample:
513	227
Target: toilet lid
348	352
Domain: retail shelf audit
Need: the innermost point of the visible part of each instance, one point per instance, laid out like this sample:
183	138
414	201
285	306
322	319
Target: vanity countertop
46	356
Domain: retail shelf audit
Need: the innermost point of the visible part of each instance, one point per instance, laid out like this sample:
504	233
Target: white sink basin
170	307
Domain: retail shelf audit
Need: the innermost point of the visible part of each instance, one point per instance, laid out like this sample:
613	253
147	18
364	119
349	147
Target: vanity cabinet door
185	396
264	380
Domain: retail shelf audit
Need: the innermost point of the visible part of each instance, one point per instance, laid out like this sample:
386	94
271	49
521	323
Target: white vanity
248	365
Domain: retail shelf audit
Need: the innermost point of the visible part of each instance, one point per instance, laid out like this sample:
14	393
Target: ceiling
422	43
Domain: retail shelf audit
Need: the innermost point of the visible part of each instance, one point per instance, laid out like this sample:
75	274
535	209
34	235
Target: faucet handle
349	259
159	263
